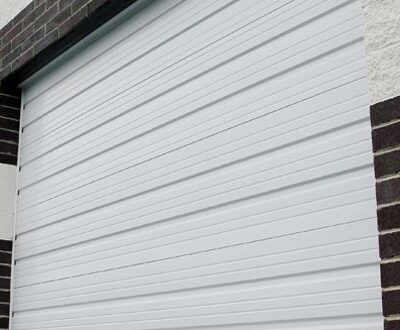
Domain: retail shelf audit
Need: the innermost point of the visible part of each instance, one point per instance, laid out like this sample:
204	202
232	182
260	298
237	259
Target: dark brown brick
389	245
389	217
15	30
8	135
10	90
4	322
386	137
69	19
63	4
8	159
4	309
9	124
78	4
5	285
46	17
21	60
390	274
388	191
5	245
5	270
49	3
23	13
45	42
39	2
58	19
391	302
5	257
69	24
7	28
8	148
12	56
9	101
32	16
5	296
5	50
386	111
25	34
386	164
9	112
28	43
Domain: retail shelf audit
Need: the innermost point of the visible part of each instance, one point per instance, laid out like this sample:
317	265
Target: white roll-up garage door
201	164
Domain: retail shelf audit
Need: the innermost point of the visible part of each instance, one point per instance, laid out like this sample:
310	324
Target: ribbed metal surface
206	164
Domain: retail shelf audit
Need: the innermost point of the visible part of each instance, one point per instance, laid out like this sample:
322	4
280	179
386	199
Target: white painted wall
382	21
9	8
7	197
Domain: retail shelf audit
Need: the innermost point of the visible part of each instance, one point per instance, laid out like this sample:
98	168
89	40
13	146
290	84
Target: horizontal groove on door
206	165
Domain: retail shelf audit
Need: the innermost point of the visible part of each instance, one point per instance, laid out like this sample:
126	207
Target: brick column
5	273
10	102
385	119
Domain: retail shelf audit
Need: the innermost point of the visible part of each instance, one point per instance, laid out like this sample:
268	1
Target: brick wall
385	119
46	28
10	102
5	273
34	28
382	38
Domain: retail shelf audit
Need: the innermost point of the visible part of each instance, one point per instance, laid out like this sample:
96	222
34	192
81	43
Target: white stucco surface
7	198
9	8
382	22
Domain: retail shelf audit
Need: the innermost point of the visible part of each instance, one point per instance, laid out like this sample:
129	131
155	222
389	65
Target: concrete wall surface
9	8
7	197
382	36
